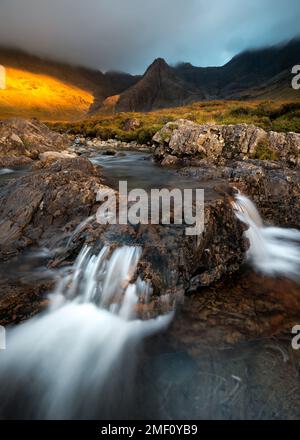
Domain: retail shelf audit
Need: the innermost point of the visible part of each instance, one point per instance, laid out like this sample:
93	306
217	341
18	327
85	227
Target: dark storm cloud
129	34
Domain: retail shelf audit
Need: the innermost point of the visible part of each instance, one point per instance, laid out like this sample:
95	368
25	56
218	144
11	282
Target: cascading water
273	250
76	359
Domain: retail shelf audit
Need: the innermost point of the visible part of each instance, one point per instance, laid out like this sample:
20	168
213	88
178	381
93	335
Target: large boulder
171	260
273	187
217	144
38	205
39	213
22	141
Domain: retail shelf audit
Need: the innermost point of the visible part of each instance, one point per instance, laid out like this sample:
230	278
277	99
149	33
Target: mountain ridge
253	74
159	87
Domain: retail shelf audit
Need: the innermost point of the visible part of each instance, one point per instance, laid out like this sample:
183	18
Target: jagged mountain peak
159	66
159	87
158	63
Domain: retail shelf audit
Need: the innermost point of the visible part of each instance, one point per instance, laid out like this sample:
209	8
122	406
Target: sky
127	35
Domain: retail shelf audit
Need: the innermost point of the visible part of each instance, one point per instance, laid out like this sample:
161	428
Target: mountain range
52	90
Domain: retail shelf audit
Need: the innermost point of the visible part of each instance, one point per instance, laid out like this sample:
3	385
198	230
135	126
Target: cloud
128	34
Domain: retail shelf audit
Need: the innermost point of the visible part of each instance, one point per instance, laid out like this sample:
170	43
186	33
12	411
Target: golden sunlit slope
37	95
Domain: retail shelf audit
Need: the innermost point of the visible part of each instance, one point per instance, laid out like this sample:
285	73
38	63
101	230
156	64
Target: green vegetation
277	116
264	152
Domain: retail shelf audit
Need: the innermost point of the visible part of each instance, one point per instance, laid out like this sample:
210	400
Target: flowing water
7	174
81	353
4	171
273	250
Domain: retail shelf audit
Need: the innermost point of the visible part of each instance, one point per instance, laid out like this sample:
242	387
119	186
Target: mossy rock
264	152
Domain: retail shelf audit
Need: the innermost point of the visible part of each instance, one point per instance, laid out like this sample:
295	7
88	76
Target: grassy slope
278	116
30	95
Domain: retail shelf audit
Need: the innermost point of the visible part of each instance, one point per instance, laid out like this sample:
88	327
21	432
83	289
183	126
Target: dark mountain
245	72
112	83
158	88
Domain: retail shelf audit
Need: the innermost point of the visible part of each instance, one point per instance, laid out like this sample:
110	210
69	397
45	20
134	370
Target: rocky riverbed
43	208
47	214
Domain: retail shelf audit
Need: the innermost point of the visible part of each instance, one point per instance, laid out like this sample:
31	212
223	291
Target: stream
90	355
140	171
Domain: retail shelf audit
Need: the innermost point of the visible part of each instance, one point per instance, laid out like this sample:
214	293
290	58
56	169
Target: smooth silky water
76	360
273	250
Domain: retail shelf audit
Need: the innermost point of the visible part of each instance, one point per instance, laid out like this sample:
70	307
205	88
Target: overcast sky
128	34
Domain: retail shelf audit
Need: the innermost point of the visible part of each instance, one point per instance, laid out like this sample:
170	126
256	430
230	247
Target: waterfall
76	360
273	250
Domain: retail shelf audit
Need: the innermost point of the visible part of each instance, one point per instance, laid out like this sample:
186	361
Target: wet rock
109	152
245	306
109	144
41	210
170	161
175	262
20	300
23	140
80	141
39	205
14	162
273	187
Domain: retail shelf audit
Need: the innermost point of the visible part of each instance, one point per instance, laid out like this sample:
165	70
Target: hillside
42	96
54	91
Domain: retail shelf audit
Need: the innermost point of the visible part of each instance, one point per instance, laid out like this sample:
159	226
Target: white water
79	229
6	171
273	250
76	360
